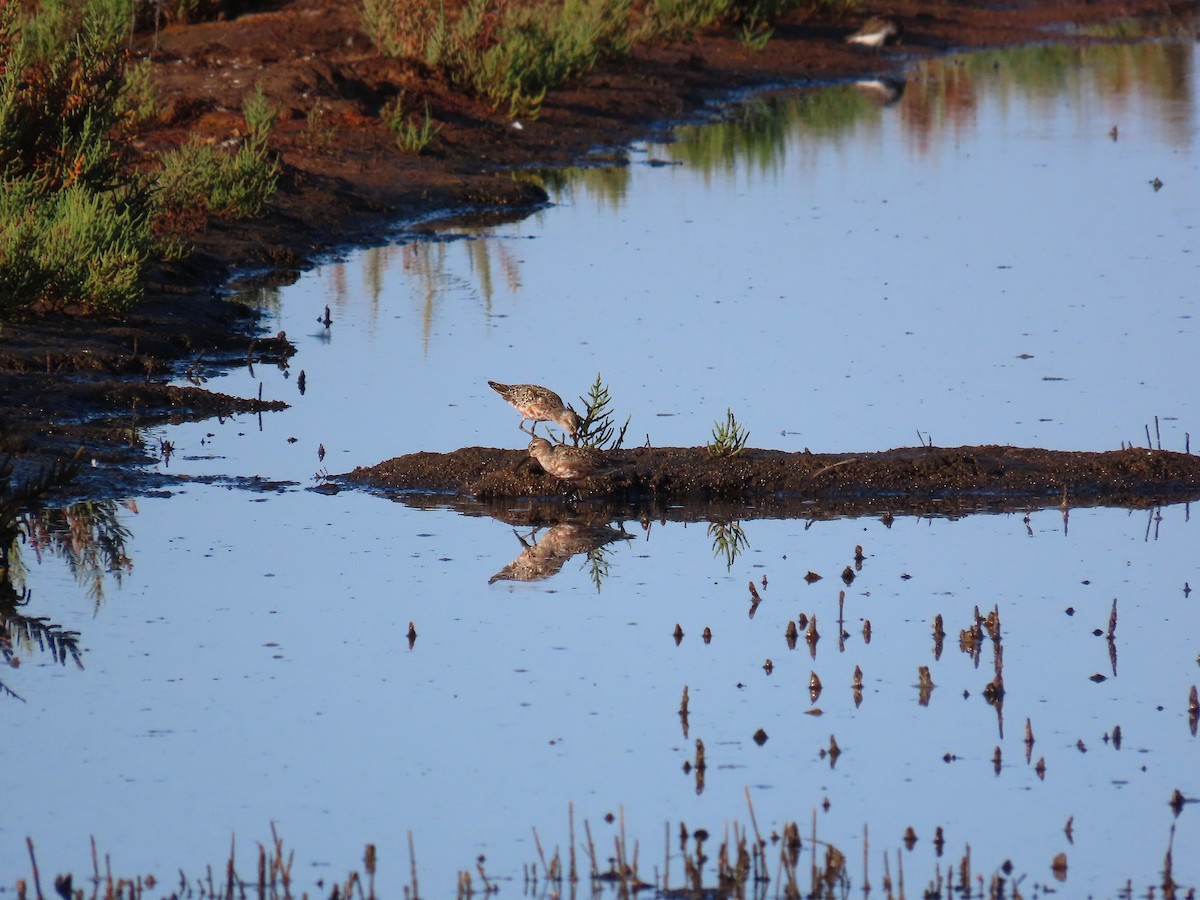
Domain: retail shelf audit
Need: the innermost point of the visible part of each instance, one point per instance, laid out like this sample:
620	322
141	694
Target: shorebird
570	463
875	32
538	404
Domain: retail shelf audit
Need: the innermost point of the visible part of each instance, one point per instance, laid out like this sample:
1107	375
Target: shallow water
842	276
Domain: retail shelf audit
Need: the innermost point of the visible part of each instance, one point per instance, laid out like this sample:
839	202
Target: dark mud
70	382
916	479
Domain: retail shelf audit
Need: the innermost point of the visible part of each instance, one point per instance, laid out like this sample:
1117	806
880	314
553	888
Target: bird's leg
528	431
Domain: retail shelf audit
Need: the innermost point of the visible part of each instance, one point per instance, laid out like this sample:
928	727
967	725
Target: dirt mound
691	474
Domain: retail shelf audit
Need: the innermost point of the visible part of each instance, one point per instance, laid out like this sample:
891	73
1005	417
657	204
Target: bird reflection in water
544	557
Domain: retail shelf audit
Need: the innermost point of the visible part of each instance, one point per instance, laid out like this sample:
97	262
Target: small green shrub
199	176
507	53
412	135
74	214
755	37
319	131
679	20
138	96
597	429
728	437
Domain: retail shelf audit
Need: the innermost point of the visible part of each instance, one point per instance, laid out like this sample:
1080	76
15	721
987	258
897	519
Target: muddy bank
972	476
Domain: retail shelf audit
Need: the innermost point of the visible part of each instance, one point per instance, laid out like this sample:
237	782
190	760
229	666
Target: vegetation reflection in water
90	539
755	135
936	95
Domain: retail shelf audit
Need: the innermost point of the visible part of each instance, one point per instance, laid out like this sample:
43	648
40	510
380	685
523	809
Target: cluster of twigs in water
598	429
272	879
746	864
728	437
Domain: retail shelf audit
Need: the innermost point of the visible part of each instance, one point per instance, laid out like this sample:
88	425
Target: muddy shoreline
908	479
96	383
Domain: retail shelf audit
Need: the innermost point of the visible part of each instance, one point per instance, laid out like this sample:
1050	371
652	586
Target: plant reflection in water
89	537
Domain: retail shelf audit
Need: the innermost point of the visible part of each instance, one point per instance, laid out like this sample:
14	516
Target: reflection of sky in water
867	277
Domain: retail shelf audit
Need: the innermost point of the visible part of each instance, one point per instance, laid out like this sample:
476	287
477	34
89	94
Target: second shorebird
538	404
876	32
571	463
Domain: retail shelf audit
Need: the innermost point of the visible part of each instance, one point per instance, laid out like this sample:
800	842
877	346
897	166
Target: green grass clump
413	134
728	437
74	215
200	176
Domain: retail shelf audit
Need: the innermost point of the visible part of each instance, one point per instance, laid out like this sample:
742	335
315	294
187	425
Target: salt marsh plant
319	131
728	437
74	215
413	133
598	429
507	53
511	52
80	222
199	176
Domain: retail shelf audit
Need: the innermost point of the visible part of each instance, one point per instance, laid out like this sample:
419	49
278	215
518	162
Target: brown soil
909	479
69	382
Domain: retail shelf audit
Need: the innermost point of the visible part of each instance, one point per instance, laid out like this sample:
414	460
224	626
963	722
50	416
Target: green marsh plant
598	429
728	437
200	176
413	134
319	131
74	214
507	53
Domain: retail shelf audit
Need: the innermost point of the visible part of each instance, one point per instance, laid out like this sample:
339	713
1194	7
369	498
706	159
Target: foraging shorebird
875	32
538	404
570	463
